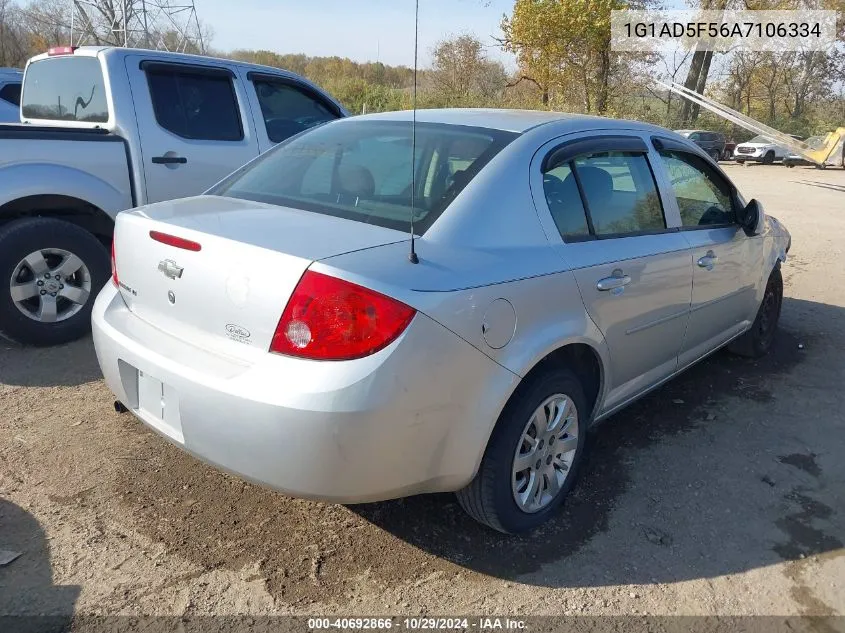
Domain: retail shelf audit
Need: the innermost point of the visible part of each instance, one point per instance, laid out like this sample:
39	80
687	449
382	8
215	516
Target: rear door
194	125
633	267
724	257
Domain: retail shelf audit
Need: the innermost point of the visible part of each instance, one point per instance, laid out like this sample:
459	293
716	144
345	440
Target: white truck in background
105	129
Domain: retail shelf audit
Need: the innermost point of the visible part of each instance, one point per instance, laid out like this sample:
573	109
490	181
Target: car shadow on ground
676	488
436	524
29	601
68	365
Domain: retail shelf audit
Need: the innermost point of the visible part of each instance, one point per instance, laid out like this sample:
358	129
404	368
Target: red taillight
331	319
178	242
114	267
61	50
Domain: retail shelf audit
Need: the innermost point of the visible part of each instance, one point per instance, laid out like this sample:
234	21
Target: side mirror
749	217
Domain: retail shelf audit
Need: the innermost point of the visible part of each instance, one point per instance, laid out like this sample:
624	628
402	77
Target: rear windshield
362	170
67	88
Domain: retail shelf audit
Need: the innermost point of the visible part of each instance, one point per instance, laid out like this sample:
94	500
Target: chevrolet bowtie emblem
170	269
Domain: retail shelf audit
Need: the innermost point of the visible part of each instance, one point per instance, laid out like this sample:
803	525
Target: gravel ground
723	493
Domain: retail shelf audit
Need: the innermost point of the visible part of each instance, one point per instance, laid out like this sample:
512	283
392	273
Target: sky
363	30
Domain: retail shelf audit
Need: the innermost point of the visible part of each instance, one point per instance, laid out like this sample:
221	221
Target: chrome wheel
50	285
545	453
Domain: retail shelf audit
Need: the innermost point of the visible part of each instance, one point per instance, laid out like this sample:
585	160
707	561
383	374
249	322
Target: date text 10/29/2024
416	624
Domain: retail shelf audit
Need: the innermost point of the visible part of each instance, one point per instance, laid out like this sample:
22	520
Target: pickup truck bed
107	129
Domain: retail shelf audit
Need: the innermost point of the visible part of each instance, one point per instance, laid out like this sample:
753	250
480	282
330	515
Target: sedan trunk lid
229	294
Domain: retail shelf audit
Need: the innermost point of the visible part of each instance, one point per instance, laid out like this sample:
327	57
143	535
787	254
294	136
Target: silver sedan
285	326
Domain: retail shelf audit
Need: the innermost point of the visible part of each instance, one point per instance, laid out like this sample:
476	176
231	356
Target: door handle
169	160
708	261
617	280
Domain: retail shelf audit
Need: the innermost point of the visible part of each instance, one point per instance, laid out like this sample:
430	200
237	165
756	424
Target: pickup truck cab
10	94
107	129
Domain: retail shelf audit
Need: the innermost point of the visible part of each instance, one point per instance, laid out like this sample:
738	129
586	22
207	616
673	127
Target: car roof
518	121
10	73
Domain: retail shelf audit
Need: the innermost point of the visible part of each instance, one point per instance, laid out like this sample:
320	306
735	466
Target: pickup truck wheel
50	273
757	341
532	459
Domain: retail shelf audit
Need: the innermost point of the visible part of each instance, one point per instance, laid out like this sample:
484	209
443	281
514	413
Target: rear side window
364	171
614	191
564	202
11	93
704	198
195	104
67	88
288	109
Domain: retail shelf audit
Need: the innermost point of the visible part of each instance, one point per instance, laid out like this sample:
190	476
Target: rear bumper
413	418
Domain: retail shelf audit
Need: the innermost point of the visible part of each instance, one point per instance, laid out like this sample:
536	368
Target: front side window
69	88
364	171
703	197
289	110
195	105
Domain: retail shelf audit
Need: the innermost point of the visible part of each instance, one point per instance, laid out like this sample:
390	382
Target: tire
740	162
715	155
769	158
59	309
757	341
490	497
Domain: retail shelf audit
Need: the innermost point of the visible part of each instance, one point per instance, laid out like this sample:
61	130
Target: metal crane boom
818	155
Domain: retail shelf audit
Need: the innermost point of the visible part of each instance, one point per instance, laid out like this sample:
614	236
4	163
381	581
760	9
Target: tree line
564	62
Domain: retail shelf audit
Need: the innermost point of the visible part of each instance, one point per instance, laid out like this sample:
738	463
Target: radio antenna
412	256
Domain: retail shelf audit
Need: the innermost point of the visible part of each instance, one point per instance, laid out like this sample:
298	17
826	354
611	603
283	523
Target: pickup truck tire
50	273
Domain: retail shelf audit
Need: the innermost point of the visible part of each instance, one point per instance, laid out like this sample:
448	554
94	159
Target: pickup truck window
11	93
67	88
198	105
288	110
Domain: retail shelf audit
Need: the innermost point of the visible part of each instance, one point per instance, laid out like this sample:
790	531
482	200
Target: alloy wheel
50	285
545	453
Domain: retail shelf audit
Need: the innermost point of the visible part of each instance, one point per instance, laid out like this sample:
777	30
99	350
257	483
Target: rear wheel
533	457
715	155
757	341
50	272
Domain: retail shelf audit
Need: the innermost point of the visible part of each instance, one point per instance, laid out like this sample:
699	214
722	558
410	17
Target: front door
723	287
194	125
633	272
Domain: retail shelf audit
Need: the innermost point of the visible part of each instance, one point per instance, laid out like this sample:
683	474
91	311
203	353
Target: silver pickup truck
107	129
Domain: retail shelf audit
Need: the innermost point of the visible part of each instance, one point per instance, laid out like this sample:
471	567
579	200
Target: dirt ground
723	493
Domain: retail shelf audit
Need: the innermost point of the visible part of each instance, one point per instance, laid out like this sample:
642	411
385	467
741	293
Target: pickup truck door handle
169	160
708	261
617	280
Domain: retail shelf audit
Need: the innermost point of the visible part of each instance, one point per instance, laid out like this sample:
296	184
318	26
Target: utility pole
171	25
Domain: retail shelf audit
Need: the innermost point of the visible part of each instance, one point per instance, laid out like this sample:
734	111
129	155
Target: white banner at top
722	31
